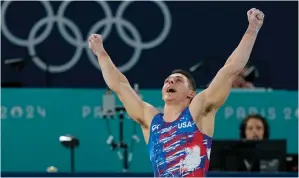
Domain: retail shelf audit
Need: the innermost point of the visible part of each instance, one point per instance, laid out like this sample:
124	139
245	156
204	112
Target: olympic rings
21	42
78	40
153	43
39	62
105	33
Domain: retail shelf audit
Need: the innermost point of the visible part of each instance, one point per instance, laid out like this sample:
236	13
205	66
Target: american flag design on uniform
178	148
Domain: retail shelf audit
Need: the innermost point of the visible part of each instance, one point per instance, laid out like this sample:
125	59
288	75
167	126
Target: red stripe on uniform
176	161
175	139
179	148
167	134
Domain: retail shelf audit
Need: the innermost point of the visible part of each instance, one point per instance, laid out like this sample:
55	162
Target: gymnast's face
254	129
176	88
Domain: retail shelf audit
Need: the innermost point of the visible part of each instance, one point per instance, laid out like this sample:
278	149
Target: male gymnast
179	139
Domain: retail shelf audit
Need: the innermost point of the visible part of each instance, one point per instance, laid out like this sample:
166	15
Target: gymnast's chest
169	138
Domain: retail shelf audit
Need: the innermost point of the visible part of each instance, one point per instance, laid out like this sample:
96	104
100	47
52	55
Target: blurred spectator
240	82
246	78
254	127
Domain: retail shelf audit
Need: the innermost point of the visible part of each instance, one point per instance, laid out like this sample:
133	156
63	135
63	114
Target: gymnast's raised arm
138	110
218	91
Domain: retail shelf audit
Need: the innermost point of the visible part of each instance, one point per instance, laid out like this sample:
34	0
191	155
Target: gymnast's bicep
135	107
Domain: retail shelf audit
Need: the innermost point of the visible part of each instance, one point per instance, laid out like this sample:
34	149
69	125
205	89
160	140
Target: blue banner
146	40
33	120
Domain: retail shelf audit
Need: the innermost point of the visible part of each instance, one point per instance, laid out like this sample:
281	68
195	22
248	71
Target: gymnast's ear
191	94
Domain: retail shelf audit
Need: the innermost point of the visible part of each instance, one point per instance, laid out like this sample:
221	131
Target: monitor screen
236	155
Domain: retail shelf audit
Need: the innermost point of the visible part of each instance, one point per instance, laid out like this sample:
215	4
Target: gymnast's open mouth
171	90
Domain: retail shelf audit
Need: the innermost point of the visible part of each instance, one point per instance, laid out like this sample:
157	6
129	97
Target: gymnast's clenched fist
255	18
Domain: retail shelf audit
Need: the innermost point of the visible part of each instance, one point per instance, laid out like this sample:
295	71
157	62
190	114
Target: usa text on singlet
178	148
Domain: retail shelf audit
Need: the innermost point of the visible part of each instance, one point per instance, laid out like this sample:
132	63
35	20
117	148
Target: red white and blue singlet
178	148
